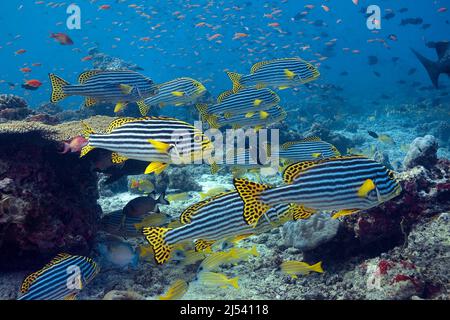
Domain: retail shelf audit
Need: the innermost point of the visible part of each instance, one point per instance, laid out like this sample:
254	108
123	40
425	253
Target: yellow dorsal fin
60	257
187	214
89	102
224	95
235	80
259	65
26	284
117	123
84	76
286	145
203	245
295	169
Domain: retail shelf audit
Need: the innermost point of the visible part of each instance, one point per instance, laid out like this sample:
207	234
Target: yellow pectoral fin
143	107
289	74
365	188
156	167
85	150
89	102
161	147
177	93
249	114
119	106
263	115
283	87
125	88
257	102
344	212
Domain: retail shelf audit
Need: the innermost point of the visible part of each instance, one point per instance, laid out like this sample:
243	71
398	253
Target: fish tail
234	282
431	67
156	238
317	267
250	193
162	199
203	110
235	80
254	251
58	85
87	131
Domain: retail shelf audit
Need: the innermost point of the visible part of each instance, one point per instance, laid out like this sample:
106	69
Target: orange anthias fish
32	84
25	70
239	35
20	51
62	38
104	7
87	58
75	145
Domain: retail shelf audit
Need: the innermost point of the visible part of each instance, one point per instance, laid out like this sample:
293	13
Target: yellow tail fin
317	267
156	238
58	85
249	191
236	80
86	132
234	282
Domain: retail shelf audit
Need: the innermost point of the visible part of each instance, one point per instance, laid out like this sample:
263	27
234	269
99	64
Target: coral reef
341	142
422	152
309	233
183	178
13	107
103	61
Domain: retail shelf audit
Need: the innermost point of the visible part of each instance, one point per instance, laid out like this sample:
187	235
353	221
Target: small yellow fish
365	188
213	279
386	139
212	192
176	290
242	254
178	196
293	268
217	259
152	220
192	257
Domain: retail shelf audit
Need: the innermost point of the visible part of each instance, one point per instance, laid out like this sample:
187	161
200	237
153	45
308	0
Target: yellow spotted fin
143	107
117	159
86	75
236	81
224	95
156	238
125	88
58	85
86	132
203	245
249	191
90	102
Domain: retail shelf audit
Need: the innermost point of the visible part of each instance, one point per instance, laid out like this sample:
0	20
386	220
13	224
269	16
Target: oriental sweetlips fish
272	115
311	148
344	183
214	219
177	92
62	278
247	101
279	73
120	87
158	140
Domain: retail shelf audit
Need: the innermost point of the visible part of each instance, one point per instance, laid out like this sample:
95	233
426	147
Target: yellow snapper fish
216	259
242	254
293	268
212	192
178	196
213	279
176	290
146	139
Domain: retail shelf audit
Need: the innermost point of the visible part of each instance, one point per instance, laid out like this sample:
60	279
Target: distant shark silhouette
434	69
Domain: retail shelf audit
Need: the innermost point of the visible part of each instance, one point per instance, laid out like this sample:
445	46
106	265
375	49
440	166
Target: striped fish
274	114
177	92
159	140
208	221
308	149
279	73
115	223
62	278
247	101
120	87
344	183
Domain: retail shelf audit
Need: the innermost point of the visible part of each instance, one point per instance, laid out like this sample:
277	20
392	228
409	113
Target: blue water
178	48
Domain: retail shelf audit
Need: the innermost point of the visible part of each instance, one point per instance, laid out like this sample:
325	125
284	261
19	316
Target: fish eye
391	174
197	138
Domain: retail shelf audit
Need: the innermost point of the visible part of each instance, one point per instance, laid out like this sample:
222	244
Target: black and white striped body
131	139
59	281
307	151
333	184
168	92
277	73
106	86
244	101
222	218
276	114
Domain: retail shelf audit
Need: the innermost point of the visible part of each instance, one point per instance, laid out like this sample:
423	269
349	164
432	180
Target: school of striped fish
214	233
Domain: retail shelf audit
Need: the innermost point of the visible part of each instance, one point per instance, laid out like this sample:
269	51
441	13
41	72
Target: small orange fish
25	70
62	38
214	36
104	7
443	9
87	58
239	35
325	8
274	24
20	51
33	83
